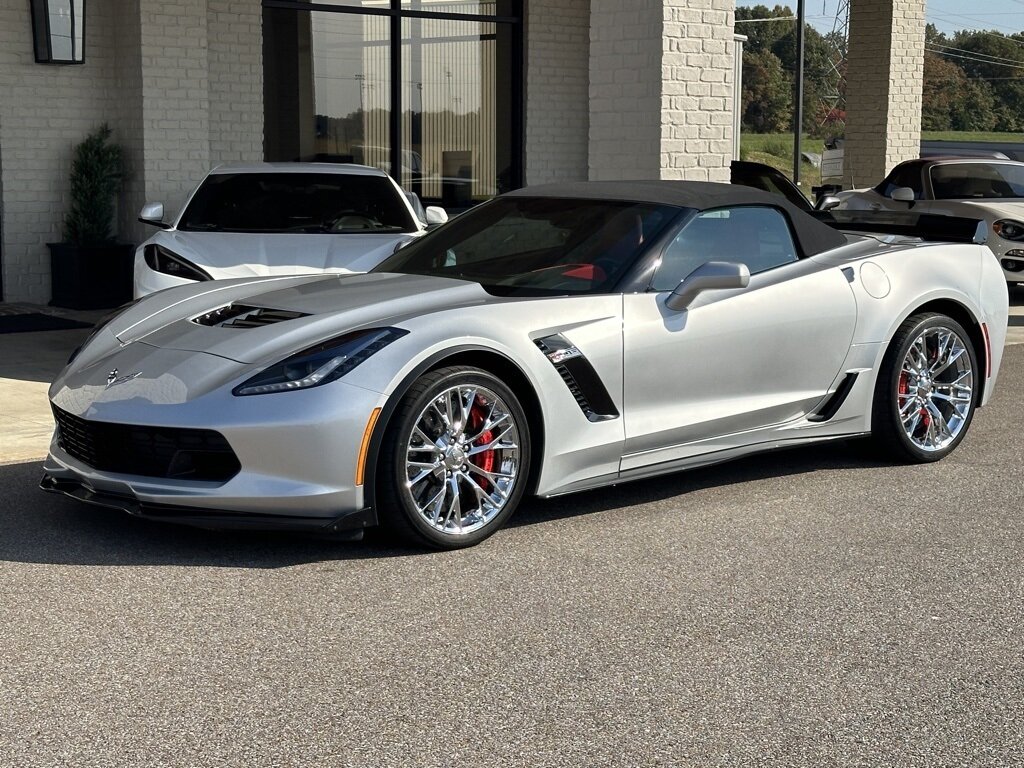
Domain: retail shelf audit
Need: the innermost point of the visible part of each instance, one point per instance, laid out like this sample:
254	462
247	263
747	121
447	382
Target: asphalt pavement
813	607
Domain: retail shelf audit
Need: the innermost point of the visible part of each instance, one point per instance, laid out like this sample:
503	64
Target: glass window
957	181
756	236
456	122
907	175
331	203
520	245
327	87
330	94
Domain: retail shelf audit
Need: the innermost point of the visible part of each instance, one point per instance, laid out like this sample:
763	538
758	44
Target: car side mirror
153	213
827	203
714	275
435	216
903	195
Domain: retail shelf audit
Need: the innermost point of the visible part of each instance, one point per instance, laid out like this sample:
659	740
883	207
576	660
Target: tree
767	93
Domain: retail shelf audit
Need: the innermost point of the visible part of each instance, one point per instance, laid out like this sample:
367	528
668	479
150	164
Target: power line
994	59
972	58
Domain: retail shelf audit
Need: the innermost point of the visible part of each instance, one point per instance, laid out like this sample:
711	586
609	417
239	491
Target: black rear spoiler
926	226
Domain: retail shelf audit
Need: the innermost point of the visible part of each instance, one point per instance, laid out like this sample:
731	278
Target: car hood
328	305
989	209
231	254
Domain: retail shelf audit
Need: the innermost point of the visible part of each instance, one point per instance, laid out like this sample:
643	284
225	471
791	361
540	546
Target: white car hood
233	254
992	209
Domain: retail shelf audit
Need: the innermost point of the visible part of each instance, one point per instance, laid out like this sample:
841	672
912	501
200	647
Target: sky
1005	16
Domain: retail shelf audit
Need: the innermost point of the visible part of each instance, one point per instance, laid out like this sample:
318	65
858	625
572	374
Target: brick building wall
661	89
884	82
235	54
175	98
181	84
557	72
697	90
44	111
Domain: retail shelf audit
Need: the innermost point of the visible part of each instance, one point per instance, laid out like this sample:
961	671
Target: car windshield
329	203
538	245
964	181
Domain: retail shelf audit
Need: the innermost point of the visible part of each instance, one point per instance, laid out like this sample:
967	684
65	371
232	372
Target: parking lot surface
811	607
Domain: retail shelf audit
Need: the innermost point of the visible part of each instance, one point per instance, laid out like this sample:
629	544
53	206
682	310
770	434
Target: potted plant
89	269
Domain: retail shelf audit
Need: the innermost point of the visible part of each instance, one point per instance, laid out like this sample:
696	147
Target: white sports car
280	219
551	340
986	189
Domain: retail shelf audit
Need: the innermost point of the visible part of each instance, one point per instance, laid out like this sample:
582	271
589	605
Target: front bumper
349	522
297	452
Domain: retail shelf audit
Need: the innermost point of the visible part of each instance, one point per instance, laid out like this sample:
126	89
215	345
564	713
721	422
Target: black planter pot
91	276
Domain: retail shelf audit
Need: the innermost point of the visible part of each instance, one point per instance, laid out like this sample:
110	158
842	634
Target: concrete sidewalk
30	361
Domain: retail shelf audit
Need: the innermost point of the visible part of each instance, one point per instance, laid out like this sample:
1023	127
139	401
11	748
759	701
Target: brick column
175	98
885	75
661	110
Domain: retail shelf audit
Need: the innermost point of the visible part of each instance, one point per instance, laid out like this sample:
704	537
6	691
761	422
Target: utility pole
798	91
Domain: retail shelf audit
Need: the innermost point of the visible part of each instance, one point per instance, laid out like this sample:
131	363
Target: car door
735	360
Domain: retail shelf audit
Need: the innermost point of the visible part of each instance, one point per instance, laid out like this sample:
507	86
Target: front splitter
348	525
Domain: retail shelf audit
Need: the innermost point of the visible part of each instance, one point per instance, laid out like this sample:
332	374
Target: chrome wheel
462	459
935	389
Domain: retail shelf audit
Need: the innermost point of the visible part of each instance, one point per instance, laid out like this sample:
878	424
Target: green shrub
96	174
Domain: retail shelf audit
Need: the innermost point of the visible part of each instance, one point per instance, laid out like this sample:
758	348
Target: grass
776	150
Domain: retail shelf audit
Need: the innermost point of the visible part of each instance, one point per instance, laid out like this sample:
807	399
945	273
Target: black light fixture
58	31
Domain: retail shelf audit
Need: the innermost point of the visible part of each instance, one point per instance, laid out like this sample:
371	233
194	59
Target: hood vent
243	316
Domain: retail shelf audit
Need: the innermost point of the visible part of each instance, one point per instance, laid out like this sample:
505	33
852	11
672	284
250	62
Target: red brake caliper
485	459
904	390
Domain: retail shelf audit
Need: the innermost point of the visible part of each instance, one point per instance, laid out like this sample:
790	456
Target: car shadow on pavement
42	528
843	454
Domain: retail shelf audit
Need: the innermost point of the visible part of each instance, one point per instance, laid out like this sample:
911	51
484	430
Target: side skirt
693	462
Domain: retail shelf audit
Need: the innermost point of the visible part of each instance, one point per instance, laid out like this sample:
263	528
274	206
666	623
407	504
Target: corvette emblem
113	378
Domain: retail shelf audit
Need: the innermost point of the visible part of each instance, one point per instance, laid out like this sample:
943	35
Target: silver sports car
552	340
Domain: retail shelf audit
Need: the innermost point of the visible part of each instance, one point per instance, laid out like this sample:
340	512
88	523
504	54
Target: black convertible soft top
812	235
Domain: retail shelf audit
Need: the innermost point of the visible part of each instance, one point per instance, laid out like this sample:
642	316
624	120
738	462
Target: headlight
318	365
1008	229
160	259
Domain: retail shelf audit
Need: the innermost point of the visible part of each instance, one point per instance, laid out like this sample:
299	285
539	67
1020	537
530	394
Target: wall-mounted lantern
58	31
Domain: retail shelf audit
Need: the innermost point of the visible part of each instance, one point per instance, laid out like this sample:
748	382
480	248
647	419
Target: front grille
167	452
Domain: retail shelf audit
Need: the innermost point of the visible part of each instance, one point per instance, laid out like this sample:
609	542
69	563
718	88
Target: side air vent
579	376
243	316
831	406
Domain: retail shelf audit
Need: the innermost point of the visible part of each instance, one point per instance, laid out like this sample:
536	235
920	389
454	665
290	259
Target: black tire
396	508
887	427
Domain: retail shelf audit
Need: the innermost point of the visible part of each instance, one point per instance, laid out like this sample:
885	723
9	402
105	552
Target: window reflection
327	90
456	123
328	95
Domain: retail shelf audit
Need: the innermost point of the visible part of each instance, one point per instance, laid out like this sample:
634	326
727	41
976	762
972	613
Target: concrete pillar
661	111
885	65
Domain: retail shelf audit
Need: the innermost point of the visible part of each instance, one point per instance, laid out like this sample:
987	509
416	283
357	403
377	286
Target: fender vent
243	316
835	402
579	376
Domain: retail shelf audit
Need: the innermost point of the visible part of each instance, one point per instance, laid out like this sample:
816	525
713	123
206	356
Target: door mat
30	322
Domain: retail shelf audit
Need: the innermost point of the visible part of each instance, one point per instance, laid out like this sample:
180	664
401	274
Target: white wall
557	75
181	84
